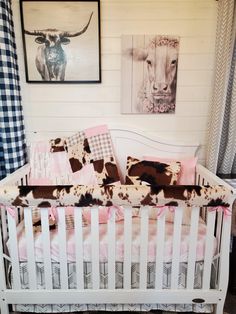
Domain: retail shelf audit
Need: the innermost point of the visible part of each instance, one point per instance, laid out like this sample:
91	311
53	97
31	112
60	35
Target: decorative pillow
188	167
150	172
47	168
57	145
106	171
90	155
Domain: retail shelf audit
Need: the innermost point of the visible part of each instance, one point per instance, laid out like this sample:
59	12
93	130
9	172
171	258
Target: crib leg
4	308
219	307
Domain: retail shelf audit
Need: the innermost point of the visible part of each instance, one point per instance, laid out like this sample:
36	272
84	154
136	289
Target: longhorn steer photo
51	58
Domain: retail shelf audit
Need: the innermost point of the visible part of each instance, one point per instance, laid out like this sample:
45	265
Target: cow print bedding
151	172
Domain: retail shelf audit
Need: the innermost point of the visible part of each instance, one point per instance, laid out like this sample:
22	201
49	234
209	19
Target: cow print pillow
151	172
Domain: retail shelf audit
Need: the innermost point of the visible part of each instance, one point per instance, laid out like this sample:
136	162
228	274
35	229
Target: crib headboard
129	142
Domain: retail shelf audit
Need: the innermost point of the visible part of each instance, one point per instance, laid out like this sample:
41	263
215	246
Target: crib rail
20	177
118	195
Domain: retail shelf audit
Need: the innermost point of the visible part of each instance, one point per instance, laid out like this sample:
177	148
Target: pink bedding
119	242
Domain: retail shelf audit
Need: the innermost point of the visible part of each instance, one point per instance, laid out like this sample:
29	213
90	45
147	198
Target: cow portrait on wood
64	46
153	73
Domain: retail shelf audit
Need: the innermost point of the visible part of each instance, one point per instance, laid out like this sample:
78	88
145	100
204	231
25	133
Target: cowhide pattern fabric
118	195
151	172
106	171
57	145
82	151
79	155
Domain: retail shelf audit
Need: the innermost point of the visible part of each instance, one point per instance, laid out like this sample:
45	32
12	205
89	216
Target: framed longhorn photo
61	41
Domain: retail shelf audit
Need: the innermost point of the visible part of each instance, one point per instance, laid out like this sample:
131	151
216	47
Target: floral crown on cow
164	41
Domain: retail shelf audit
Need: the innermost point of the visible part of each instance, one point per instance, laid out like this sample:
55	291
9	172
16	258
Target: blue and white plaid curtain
12	134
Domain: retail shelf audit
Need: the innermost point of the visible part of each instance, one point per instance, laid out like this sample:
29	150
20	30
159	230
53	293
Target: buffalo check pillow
151	172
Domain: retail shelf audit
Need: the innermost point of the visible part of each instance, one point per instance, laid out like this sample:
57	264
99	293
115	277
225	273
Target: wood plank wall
54	110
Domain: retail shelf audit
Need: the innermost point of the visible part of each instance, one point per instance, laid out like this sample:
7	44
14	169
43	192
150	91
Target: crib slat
219	229
127	246
176	247
160	243
192	247
62	247
95	248
30	248
2	251
14	251
143	247
223	265
4	227
209	246
46	248
79	247
111	232
198	180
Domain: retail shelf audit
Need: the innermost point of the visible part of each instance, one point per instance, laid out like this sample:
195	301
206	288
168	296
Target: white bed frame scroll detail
126	142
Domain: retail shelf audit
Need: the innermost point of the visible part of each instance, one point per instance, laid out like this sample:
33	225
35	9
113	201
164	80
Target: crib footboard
209	292
111	294
148	236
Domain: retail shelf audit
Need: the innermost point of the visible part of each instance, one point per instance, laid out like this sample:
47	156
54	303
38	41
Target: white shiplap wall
53	110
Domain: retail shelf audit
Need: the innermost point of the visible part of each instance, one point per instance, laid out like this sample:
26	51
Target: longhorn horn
74	34
34	33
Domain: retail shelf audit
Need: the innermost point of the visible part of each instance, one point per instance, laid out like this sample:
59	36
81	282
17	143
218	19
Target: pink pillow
187	172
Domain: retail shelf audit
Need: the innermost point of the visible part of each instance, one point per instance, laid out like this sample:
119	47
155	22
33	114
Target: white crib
218	227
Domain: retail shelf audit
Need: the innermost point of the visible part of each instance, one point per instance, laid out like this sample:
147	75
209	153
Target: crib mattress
103	249
202	308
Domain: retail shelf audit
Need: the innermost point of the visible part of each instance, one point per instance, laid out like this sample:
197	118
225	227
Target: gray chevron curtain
221	148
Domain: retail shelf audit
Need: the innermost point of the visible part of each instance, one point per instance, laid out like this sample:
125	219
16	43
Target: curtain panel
12	133
221	146
226	163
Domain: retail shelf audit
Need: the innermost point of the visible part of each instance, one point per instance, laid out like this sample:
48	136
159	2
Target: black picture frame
61	41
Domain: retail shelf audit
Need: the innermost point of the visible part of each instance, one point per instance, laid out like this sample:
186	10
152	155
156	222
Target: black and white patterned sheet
135	275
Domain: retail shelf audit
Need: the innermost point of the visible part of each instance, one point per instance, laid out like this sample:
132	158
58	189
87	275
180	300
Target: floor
230	304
